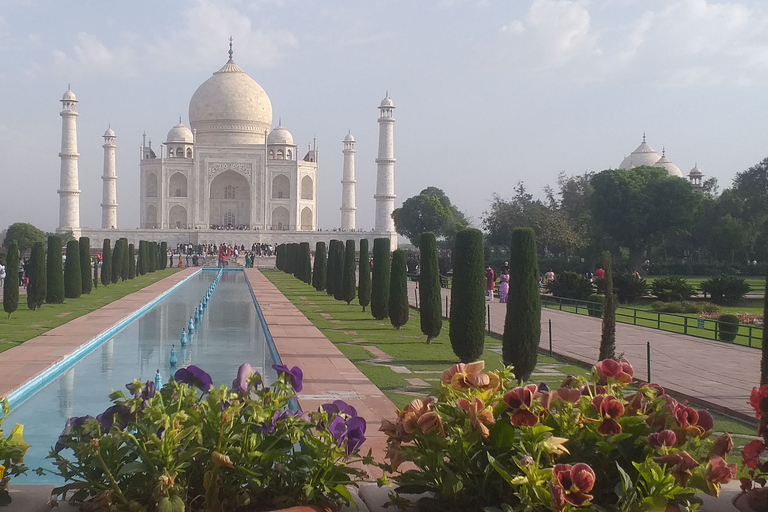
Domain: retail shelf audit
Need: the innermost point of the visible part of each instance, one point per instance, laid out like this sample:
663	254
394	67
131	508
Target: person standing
503	285
2	275
490	281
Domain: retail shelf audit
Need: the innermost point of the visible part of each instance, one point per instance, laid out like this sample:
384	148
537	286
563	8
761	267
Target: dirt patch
63	315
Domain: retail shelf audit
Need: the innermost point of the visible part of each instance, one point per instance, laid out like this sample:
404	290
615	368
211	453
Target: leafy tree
25	235
318	273
380	278
131	261
163	256
608	333
398	307
364	283
125	263
85	264
348	279
54	293
37	277
467	325
430	291
431	210
641	207
338	271
106	262
522	324
73	282
11	284
117	260
330	280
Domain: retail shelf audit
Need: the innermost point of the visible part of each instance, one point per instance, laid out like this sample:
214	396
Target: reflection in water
228	335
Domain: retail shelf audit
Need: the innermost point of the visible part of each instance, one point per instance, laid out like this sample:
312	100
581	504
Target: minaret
385	173
69	193
109	196
348	185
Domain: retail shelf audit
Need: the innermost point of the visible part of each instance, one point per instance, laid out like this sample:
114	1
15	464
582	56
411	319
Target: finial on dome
663	151
280	121
230	48
179	119
386	94
643	136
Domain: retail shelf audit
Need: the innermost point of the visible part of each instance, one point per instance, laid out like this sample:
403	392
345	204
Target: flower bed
744	318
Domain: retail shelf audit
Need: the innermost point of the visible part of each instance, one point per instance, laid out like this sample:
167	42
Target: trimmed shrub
85	264
398	307
725	289
280	257
672	289
467	322
364	276
522	324
728	327
330	281
338	271
142	265
151	256
305	263
608	332
570	285
117	260
627	287
380	278
54	267
348	280
37	277
595	306
131	261
11	283
430	292
73	282
124	263
95	273
290	258
321	260
163	256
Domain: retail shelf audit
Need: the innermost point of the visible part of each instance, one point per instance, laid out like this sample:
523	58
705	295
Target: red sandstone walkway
30	359
713	373
328	375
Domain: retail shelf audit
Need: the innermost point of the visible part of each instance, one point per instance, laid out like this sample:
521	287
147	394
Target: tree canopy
25	235
431	210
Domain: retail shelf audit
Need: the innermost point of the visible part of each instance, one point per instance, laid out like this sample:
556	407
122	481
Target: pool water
230	333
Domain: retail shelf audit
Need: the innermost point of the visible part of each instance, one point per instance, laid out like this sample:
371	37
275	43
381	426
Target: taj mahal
230	176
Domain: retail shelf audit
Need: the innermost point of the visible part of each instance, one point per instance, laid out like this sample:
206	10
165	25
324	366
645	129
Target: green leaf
343	491
165	505
130	468
626	481
500	469
177	504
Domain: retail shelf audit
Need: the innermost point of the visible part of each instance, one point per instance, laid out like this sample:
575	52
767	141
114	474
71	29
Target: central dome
230	108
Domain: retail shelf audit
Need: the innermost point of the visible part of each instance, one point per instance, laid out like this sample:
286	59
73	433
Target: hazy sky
487	92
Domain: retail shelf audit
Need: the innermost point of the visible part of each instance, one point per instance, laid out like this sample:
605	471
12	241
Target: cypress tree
364	283
289	258
54	293
318	273
95	274
106	263
143	257
124	263
467	325
430	291
295	263
163	255
280	257
330	281
338	271
131	261
85	264
348	279
608	334
11	283
398	290
305	262
117	260
37	277
380	279
522	325
73	281
151	248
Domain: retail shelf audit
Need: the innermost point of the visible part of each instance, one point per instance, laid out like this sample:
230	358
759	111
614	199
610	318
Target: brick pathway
712	373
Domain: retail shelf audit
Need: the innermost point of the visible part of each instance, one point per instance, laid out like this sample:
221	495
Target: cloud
90	55
675	43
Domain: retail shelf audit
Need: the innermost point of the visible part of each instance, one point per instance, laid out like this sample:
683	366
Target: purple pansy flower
295	374
339	406
72	423
240	384
355	435
194	376
543	388
337	428
107	418
271	426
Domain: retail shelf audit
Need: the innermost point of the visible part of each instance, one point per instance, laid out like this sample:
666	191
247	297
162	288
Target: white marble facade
231	169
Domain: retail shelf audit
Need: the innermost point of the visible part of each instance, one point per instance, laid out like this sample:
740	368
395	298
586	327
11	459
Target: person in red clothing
599	273
490	281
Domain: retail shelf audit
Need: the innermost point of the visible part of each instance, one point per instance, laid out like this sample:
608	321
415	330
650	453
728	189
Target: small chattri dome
671	168
387	102
109	133
69	96
696	171
180	133
280	135
349	138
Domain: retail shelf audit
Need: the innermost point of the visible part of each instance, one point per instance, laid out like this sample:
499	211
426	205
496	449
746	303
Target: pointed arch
281	187
177	185
151	185
281	219
307	188
150	217
177	217
306	219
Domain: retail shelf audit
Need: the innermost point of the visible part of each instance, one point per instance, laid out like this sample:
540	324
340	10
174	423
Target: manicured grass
756	284
351	330
25	324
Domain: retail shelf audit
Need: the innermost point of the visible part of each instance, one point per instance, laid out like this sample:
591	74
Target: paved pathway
712	373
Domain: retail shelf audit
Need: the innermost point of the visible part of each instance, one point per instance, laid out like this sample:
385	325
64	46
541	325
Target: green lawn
25	324
757	284
354	332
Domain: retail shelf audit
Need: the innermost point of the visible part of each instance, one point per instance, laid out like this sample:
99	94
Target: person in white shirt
2	275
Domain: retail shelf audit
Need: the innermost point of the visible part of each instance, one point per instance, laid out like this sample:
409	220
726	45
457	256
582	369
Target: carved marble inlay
244	169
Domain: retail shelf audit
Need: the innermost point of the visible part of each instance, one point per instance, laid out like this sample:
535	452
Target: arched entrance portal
281	219
230	201
177	217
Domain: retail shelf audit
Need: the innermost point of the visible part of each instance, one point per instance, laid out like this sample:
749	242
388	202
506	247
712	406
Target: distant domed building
645	155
